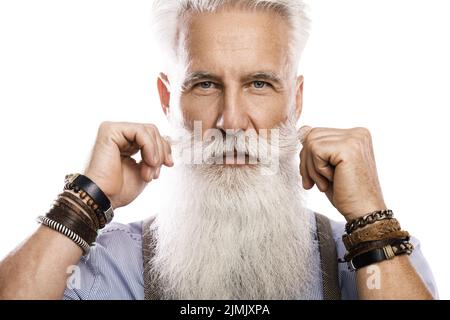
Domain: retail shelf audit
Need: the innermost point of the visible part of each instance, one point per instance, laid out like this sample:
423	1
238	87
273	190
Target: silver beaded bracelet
65	231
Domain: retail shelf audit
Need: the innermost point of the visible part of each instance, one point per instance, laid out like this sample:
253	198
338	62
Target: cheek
268	112
199	108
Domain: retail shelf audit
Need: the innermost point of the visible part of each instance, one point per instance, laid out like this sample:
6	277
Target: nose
233	115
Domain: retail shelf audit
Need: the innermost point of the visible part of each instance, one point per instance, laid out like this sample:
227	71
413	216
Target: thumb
303	132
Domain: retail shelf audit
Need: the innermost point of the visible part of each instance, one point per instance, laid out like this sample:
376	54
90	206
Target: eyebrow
199	75
204	75
263	75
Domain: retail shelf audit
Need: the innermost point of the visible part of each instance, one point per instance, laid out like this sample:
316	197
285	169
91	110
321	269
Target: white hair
168	13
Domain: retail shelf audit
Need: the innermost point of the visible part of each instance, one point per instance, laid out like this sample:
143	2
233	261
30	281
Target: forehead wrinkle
234	37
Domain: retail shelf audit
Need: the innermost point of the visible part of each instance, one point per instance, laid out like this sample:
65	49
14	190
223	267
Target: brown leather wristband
73	222
379	230
66	204
378	255
372	245
82	203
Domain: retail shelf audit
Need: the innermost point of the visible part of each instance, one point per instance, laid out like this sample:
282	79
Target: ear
299	97
164	92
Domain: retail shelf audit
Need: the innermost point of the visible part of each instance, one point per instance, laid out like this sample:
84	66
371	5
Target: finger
323	167
128	137
328	150
158	148
321	182
303	132
157	172
158	140
146	172
168	152
322	132
138	134
329	192
307	182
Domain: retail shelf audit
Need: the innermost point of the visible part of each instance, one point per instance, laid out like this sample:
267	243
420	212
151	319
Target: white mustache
240	144
220	146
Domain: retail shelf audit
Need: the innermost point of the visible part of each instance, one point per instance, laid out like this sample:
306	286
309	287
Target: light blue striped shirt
114	267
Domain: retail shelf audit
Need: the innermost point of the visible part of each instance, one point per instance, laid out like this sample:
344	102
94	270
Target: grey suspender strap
328	259
327	249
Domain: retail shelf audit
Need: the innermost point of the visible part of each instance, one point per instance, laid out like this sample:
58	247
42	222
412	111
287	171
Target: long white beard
233	233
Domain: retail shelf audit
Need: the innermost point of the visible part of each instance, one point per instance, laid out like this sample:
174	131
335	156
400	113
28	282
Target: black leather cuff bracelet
377	255
79	181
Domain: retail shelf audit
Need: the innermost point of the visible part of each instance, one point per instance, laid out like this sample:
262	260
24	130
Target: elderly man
232	222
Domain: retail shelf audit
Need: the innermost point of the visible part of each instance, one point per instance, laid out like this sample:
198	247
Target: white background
65	66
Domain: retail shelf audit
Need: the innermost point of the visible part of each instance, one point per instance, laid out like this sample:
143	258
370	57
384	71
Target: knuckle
354	147
155	128
149	133
106	132
143	127
309	144
154	131
317	159
151	126
363	132
315	149
105	126
316	132
361	139
353	141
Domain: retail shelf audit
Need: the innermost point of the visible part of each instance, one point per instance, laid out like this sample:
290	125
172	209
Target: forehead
235	40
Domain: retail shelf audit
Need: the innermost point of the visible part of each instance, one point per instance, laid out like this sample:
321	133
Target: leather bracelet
79	182
376	231
88	209
73	222
386	253
372	245
400	234
64	202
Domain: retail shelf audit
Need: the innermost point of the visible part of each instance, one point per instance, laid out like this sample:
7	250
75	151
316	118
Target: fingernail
170	158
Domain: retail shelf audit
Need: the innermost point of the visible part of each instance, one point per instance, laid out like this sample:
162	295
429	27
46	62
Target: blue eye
259	84
206	84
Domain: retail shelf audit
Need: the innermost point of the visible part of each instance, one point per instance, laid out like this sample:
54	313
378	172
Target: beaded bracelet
96	197
76	215
101	218
67	203
82	203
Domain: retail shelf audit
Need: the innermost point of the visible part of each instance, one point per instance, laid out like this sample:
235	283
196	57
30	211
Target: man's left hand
341	163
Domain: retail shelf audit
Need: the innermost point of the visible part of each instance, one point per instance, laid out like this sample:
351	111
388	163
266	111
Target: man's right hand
113	169
37	269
